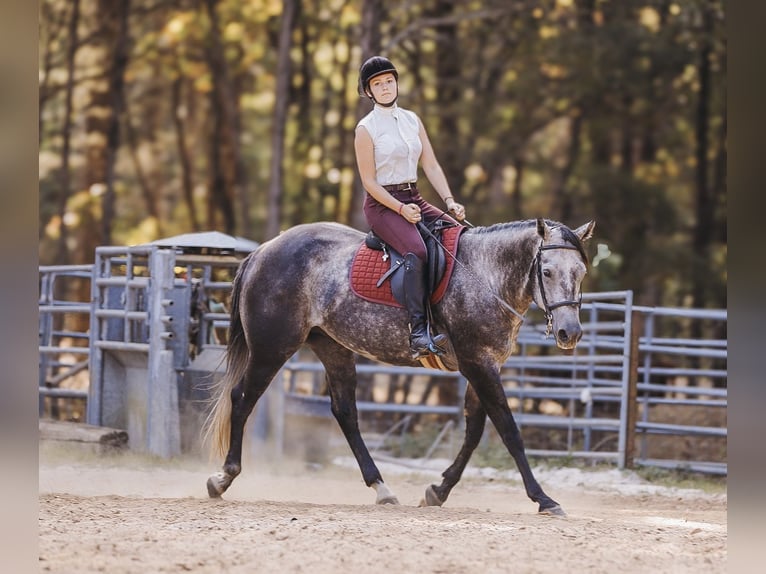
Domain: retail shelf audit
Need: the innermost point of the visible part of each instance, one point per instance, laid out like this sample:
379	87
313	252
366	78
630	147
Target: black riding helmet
374	66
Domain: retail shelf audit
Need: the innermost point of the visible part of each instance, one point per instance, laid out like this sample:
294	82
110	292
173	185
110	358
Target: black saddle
437	259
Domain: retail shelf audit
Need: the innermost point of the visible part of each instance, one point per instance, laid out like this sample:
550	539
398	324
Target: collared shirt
396	143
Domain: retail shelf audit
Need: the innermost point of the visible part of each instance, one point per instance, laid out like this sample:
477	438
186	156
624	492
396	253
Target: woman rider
389	143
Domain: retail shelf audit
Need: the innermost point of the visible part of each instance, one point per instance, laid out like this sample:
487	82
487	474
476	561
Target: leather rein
547	309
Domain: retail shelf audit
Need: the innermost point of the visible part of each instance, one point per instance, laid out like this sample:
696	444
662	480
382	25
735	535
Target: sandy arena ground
130	514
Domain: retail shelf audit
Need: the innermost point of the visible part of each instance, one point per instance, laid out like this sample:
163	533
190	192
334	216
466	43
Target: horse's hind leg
340	370
244	396
475	418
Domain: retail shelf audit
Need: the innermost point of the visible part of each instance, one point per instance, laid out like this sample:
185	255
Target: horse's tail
217	426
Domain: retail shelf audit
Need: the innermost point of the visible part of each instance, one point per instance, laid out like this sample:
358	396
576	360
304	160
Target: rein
470	272
547	308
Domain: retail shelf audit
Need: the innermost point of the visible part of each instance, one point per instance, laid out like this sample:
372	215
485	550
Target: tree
284	71
66	133
180	115
116	95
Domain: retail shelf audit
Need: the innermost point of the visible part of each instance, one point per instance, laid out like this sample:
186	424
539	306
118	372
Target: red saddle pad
368	267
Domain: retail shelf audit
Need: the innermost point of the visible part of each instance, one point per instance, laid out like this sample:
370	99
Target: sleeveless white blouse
396	143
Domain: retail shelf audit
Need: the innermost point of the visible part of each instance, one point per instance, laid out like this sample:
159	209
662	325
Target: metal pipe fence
62	336
609	400
696	381
595	389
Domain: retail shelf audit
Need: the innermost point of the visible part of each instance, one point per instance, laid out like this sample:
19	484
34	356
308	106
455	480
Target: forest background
160	117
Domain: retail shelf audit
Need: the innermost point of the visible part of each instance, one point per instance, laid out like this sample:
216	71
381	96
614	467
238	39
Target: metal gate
600	397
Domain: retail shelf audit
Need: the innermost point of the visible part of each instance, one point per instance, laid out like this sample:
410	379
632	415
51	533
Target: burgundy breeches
397	231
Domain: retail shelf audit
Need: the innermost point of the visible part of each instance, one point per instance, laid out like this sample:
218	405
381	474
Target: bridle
548	308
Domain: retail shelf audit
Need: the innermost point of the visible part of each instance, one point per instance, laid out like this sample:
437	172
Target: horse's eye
547	272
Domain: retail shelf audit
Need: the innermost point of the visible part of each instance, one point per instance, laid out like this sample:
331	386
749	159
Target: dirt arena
130	514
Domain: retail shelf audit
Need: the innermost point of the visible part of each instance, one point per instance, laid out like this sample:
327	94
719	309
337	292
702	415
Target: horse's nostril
563	335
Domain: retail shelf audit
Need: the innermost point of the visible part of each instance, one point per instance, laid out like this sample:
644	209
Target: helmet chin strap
388	105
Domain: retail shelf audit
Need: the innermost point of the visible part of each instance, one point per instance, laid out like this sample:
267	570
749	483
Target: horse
293	290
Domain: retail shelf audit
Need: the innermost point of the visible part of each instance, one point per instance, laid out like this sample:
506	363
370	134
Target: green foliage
569	110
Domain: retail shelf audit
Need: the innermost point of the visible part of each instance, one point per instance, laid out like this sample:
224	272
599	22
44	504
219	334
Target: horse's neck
504	258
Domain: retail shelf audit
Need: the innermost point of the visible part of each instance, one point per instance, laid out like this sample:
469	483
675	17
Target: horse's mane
567	234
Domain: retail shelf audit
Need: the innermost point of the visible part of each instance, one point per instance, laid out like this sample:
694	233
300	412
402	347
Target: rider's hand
456	209
411	212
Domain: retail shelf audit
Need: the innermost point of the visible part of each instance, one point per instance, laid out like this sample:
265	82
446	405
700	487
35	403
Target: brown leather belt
401	187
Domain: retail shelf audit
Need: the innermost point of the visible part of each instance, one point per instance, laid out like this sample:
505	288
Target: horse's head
559	268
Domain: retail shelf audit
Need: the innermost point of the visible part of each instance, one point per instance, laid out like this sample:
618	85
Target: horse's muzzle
567	338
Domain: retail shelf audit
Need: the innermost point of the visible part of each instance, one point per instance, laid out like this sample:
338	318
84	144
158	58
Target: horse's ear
542	229
585	232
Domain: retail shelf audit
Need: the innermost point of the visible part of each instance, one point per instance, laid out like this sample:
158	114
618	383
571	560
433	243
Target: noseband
548	308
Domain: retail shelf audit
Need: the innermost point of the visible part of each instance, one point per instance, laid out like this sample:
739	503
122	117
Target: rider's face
384	88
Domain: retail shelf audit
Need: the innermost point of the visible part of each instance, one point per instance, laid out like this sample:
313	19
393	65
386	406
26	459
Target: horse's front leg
475	418
486	382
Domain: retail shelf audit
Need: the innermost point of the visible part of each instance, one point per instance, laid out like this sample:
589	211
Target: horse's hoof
431	499
385	494
553	511
212	491
217	485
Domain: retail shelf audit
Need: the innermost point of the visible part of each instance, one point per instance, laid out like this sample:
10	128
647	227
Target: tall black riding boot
421	342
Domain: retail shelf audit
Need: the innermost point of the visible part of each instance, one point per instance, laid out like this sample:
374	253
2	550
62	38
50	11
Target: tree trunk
284	72
562	197
516	199
150	198
62	258
719	186
703	230
369	38
54	21
301	208
449	89
183	153
231	163
116	84
345	152
626	138
218	199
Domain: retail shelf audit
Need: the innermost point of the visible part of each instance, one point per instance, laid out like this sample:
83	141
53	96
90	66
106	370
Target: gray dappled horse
294	290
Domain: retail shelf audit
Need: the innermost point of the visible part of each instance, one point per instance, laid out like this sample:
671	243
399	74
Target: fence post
163	420
96	354
636	327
